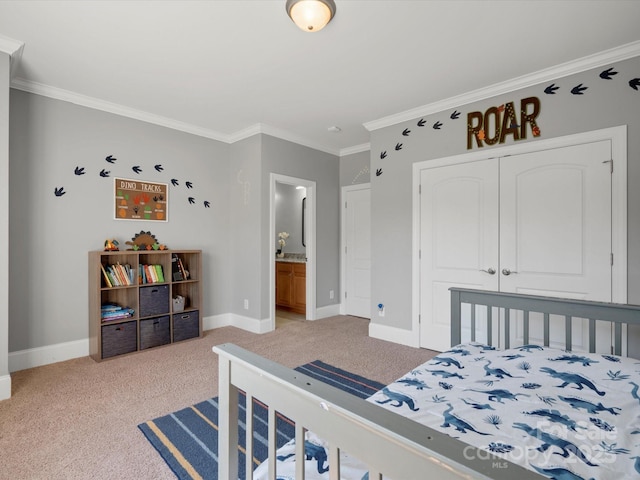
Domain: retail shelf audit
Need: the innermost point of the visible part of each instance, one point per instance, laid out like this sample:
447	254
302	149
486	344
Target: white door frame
310	240
618	137
343	239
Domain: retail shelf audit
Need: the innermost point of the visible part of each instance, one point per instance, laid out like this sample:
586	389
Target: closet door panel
458	242
555	226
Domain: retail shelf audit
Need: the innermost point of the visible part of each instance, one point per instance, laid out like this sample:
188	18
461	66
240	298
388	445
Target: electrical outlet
332	294
246	304
380	310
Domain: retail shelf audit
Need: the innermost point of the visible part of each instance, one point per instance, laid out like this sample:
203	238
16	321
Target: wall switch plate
332	294
246	304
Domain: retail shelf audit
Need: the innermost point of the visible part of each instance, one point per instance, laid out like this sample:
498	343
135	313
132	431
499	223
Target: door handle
490	271
507	272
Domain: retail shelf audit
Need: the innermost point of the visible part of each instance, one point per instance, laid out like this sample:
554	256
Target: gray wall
246	234
354	169
606	103
288	206
50	236
5	67
286	158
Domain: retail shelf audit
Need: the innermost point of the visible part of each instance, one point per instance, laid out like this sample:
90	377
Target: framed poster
139	200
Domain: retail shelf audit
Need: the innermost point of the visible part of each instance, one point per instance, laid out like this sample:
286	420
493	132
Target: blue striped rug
188	439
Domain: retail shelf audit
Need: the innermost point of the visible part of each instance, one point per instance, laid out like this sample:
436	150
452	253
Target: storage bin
154	300
154	332
178	303
185	325
119	338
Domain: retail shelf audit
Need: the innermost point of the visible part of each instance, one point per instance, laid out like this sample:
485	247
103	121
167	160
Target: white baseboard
231	319
5	387
36	357
328	311
216	321
393	334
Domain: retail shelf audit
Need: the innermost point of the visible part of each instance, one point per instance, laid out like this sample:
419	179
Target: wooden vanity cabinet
291	286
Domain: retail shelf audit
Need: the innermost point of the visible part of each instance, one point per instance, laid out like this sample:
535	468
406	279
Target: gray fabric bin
154	300
119	338
185	325
154	332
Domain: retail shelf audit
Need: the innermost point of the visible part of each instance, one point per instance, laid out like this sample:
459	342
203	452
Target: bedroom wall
293	160
5	70
604	103
245	235
354	169
51	235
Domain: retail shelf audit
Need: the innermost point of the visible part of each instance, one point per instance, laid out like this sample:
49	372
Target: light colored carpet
78	419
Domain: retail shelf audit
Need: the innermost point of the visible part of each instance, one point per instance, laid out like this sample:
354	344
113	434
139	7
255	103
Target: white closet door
555	228
458	241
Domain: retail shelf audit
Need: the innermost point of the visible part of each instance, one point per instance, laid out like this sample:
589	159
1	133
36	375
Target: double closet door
536	223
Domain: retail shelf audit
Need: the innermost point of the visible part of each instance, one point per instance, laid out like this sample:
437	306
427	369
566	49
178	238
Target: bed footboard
384	441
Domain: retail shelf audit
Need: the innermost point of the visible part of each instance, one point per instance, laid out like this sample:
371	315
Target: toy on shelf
145	241
111	245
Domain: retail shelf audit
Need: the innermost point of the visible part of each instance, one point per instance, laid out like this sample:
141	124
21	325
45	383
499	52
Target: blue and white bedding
561	414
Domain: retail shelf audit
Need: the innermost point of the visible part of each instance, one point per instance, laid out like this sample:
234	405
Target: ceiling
228	69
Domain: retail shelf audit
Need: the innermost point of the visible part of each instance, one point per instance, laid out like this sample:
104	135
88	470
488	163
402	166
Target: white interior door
458	242
358	252
548	234
555	229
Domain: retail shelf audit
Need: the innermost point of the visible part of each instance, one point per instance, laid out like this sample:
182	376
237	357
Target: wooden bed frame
383	440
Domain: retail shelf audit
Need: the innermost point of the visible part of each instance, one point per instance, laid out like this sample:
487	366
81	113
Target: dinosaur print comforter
562	414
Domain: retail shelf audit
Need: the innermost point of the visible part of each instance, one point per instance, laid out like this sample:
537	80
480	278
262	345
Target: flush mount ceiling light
311	15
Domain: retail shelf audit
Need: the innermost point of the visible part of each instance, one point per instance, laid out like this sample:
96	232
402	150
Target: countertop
292	258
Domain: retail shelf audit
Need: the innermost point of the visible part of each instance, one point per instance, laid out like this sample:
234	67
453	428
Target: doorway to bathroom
292	243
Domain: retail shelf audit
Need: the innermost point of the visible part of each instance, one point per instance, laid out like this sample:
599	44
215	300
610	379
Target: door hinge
345	204
612	259
420	254
420	189
345	294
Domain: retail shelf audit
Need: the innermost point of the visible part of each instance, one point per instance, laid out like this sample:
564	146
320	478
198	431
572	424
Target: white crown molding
278	133
617	54
10	46
364	147
14	49
97	104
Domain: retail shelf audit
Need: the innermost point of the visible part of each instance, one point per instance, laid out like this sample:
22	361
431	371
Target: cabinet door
299	286
283	284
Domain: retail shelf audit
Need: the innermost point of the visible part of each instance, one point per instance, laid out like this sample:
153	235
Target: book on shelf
176	271
159	274
113	311
151	274
107	280
177	268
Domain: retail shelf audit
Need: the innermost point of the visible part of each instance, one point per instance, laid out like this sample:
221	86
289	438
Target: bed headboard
618	314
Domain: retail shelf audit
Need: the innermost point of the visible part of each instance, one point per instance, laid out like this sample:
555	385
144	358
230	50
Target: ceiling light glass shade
311	15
